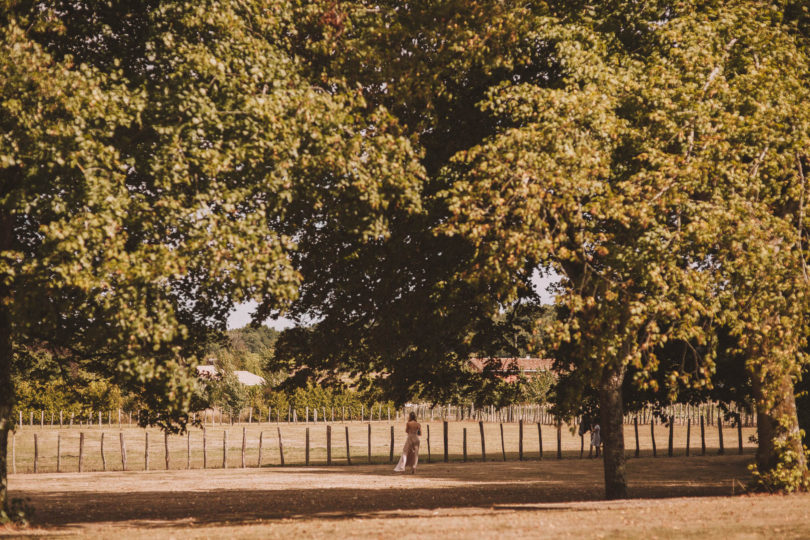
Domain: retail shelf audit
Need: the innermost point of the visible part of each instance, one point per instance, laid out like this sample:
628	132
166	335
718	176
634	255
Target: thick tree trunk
612	431
777	422
6	403
7	396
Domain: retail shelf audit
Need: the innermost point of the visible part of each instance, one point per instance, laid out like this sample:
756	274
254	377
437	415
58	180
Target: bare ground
672	498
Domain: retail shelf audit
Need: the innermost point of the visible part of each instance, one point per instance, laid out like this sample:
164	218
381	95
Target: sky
241	315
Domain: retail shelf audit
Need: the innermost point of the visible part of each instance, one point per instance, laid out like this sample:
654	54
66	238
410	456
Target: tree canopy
398	173
652	155
160	163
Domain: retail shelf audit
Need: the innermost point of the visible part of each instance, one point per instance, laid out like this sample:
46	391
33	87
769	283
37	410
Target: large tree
396	311
652	154
664	180
151	154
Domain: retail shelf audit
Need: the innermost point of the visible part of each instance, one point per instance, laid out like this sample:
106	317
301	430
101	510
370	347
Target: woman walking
410	452
596	439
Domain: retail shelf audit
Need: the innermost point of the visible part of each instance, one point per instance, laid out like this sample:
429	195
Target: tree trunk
612	432
6	403
777	424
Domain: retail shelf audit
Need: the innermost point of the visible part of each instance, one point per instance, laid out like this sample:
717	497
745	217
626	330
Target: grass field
696	497
293	438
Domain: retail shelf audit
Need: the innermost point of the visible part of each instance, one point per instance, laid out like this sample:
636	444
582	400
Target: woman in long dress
410	452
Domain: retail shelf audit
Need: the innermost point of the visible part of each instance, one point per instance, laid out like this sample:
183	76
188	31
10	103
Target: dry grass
293	436
673	498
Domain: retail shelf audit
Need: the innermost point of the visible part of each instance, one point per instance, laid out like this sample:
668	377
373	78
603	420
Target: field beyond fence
527	433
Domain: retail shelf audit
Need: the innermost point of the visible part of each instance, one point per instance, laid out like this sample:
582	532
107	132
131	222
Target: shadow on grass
494	487
700	470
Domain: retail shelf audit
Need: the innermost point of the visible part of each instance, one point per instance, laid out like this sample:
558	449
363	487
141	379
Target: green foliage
319	397
277	400
179	186
538	389
661	176
788	474
45	386
19	513
394	313
160	163
399	174
248	349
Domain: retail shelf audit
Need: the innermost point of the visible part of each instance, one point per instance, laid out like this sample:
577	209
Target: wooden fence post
58	452
635	428
702	435
720	433
225	449
503	444
483	444
166	448
540	438
652	435
123	451
391	455
520	439
103	459
280	447
428	437
306	454
739	436
559	439
261	437
188	450
244	444
464	444
329	444
81	450
688	433
445	437
205	446
671	430
348	452
146	451
369	442
36	453
60	418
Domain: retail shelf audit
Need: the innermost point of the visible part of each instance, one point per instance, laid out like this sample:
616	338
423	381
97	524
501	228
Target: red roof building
510	368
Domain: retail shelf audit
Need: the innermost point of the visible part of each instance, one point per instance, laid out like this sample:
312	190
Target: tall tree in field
518	116
151	153
396	311
664	180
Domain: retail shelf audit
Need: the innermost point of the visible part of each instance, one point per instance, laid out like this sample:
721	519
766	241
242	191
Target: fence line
680	414
71	451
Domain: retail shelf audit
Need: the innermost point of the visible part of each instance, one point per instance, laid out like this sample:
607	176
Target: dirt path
203	502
